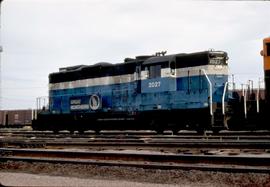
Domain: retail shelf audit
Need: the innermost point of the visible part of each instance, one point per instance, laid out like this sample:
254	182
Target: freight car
159	92
15	118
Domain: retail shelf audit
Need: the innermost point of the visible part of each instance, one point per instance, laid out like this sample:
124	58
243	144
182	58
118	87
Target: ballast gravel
46	174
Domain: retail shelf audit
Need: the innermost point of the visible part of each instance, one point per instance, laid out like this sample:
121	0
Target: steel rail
262	135
134	132
156	161
142	143
137	138
215	168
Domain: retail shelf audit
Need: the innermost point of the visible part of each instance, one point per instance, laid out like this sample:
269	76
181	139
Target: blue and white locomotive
159	92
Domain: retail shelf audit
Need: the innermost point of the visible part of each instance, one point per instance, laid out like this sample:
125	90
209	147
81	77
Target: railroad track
253	148
147	160
137	144
259	135
135	132
161	142
232	153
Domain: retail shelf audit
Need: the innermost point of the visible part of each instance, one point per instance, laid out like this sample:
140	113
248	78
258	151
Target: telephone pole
1	50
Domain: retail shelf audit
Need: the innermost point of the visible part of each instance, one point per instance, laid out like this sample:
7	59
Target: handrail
223	98
258	97
42	102
33	114
245	102
210	94
257	100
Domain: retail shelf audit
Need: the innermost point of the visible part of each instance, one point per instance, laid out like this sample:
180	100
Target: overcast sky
39	36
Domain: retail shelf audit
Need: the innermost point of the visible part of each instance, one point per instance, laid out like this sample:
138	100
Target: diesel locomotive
156	92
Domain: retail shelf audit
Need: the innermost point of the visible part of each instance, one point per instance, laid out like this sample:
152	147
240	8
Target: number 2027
154	84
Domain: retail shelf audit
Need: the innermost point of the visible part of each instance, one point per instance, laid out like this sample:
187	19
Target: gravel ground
89	175
23	179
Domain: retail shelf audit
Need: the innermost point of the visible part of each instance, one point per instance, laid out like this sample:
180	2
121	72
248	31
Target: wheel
97	131
175	131
159	131
81	131
215	131
55	131
156	126
71	131
201	131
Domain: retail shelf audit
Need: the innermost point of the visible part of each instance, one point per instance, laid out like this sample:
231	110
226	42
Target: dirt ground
137	175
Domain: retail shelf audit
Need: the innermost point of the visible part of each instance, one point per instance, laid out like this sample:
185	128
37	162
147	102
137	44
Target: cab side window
155	71
173	67
267	49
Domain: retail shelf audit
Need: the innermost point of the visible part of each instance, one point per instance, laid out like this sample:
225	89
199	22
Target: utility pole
1	50
233	83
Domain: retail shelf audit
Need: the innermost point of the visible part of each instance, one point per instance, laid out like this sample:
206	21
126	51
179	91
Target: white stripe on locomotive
165	72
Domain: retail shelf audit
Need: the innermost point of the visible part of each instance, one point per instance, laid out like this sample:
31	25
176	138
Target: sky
40	36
